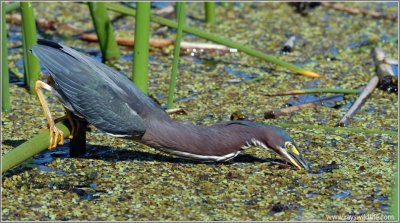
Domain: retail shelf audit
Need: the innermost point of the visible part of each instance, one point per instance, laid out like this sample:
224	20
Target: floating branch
388	81
217	39
208	47
176	110
30	148
360	101
162	43
130	41
356	11
45	24
286	111
316	91
166	11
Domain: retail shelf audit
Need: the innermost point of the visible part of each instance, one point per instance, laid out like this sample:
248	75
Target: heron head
281	143
276	139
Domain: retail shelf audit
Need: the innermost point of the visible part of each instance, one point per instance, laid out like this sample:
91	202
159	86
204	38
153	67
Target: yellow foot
56	137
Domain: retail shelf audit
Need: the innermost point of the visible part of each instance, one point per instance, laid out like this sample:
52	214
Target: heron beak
294	157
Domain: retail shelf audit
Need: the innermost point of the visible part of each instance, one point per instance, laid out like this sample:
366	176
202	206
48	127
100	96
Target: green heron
110	101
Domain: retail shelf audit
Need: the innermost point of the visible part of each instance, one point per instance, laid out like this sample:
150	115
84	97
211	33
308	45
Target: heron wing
137	99
91	94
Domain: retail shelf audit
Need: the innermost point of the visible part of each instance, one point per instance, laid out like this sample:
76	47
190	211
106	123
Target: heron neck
219	140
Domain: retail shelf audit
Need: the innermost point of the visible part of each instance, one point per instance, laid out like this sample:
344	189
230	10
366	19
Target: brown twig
129	42
161	43
122	41
44	24
382	63
360	101
388	81
356	11
166	11
177	110
286	111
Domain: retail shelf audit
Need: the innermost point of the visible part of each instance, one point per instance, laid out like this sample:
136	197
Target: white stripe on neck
201	157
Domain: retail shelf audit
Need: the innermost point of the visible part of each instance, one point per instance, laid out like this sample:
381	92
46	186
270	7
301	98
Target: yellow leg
56	135
68	116
74	126
55	121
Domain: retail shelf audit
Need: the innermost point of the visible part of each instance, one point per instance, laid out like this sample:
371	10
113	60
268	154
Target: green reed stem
141	49
31	63
30	148
316	91
104	30
217	39
5	91
209	8
181	22
11	7
177	8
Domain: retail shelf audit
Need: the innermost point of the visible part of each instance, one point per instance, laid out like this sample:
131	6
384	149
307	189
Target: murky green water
352	173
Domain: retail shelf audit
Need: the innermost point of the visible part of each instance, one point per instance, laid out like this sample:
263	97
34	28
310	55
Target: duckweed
124	180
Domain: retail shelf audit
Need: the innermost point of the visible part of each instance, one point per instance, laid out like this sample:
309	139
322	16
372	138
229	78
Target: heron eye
291	147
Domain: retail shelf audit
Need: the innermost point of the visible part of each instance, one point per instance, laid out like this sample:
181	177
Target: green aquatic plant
316	91
209	8
218	39
104	30
11	7
5	94
31	64
175	62
141	50
30	148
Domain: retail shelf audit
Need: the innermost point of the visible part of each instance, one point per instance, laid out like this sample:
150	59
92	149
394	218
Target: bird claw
56	137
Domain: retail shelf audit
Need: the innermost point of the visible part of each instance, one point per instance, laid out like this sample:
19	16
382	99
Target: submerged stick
30	148
356	11
77	145
286	111
360	101
316	91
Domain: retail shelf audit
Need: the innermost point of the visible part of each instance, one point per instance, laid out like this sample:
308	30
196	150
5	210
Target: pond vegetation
352	168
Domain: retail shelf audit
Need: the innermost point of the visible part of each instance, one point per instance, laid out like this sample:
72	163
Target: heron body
109	101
